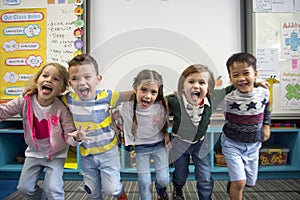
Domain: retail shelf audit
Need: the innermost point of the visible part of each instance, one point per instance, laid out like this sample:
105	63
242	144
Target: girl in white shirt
145	127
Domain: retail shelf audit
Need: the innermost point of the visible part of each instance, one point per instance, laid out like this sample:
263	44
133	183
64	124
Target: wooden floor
285	189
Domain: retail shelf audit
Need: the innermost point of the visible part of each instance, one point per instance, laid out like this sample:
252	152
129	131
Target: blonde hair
146	76
31	88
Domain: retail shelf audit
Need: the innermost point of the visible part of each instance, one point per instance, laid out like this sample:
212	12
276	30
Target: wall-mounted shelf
12	143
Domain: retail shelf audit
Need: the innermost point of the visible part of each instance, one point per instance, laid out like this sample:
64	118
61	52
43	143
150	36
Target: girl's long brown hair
148	76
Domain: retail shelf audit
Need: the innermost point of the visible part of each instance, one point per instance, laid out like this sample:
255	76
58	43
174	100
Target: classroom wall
166	35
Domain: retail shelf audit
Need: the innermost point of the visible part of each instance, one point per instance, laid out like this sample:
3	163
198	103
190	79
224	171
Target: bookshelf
12	144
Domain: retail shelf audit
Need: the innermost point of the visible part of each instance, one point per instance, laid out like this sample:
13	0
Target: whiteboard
266	29
128	36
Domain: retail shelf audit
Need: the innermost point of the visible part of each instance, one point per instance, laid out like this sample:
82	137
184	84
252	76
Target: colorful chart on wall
34	33
23	48
278	32
290	90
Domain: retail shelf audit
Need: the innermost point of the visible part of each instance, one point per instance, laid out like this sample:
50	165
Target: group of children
83	117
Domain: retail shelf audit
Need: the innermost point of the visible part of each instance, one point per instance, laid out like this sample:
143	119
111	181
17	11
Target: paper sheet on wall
290	90
273	6
290	40
60	39
267	62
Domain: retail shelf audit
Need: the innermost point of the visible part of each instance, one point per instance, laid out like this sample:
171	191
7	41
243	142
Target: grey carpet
285	189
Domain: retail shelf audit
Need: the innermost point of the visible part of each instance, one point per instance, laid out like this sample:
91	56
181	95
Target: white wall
166	35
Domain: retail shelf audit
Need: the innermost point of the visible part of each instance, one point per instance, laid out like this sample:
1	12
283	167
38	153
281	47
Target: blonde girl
48	131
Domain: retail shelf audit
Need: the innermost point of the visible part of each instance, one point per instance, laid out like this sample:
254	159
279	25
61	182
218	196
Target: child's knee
25	189
163	181
143	180
238	185
113	191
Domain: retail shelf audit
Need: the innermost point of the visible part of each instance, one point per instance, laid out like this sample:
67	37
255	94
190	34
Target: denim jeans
181	153
161	163
53	182
102	171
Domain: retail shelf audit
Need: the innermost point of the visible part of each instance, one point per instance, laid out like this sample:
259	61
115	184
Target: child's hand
266	133
168	145
167	141
80	135
265	85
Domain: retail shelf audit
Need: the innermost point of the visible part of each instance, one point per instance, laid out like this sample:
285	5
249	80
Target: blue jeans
181	153
161	161
53	182
102	171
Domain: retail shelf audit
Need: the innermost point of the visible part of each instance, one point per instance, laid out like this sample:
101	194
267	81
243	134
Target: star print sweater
245	115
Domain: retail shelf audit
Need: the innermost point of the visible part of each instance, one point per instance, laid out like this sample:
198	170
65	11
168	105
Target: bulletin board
273	35
36	32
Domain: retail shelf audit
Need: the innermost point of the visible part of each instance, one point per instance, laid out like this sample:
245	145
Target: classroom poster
267	62
290	90
290	40
23	48
274	6
61	42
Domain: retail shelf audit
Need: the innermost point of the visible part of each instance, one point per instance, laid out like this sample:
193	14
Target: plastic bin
273	154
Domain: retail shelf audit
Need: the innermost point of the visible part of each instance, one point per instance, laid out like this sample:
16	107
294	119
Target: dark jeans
181	153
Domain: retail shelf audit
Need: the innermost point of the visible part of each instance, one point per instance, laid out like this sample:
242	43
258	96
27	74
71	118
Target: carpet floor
284	189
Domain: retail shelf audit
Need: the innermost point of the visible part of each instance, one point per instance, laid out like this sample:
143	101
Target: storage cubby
12	144
288	137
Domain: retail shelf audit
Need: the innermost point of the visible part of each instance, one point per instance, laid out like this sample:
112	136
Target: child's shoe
123	196
228	187
162	194
177	194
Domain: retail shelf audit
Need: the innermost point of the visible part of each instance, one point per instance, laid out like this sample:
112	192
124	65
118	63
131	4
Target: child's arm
12	108
117	123
126	95
266	132
72	136
266	123
265	84
167	141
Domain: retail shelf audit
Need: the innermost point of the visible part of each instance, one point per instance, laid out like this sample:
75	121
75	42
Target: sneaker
178	194
162	194
228	187
123	196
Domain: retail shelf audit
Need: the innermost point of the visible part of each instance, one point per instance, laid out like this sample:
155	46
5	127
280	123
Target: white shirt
150	122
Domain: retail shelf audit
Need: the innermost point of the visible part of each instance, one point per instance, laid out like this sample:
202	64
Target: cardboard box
273	155
219	159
